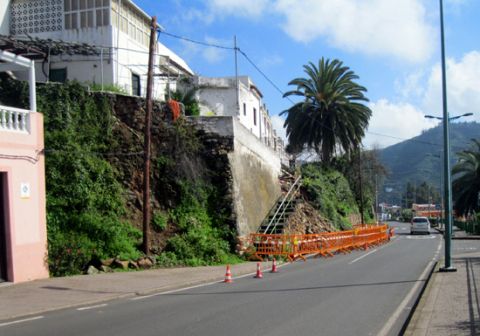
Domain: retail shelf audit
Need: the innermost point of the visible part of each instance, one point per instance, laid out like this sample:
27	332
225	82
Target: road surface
362	293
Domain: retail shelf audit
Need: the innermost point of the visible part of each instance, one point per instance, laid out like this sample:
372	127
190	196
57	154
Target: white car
420	225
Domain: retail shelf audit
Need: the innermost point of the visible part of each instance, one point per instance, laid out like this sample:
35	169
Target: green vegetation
331	113
466	184
329	192
187	98
201	240
107	88
159	220
85	203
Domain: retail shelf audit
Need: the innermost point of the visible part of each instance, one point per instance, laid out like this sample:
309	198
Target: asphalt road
362	293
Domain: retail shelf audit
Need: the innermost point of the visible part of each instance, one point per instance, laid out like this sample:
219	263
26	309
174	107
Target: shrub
330	193
159	220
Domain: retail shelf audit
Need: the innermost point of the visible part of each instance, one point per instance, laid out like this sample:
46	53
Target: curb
408	327
139	293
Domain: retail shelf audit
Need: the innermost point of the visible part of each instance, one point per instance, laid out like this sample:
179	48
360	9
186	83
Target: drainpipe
32	89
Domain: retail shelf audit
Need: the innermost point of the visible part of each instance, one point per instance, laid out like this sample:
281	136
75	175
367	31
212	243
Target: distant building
218	97
119	30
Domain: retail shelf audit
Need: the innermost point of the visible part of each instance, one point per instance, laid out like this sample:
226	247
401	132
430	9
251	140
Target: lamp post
446	146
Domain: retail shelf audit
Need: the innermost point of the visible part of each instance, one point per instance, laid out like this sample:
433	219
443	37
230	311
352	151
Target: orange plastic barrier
324	244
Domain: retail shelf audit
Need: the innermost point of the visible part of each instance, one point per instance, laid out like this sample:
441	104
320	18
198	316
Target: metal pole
147	144
446	146
237	87
101	65
360	181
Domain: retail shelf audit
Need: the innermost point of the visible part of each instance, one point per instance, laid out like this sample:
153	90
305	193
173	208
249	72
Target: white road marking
362	256
92	307
403	305
21	321
200	285
420	237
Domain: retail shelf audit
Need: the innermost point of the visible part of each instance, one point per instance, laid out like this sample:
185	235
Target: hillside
420	159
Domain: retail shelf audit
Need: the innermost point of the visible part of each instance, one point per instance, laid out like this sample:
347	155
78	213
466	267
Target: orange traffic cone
259	274
274	266
228	275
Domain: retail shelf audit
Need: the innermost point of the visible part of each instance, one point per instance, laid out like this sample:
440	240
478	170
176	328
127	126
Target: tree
466	183
188	98
331	114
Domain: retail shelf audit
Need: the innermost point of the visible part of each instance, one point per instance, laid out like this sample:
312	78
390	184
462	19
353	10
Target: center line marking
92	307
361	257
21	321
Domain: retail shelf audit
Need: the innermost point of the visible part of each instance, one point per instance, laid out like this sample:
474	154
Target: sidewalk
450	304
39	296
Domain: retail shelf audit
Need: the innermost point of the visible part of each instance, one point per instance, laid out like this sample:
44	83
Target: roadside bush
201	241
330	193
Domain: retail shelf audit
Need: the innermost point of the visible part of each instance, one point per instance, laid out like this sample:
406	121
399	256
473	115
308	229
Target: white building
221	96
119	30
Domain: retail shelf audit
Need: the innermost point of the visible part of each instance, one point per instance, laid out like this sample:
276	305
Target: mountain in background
420	159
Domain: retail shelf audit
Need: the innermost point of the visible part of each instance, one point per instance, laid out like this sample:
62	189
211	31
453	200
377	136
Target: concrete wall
4	17
254	171
26	234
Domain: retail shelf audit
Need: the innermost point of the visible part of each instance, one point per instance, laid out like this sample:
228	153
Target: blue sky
394	46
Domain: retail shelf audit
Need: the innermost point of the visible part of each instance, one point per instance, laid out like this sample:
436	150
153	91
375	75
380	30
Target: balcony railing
14	119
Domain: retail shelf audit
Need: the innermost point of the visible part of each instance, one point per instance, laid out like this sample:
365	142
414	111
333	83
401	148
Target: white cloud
243	8
213	54
277	124
463	87
392	123
375	27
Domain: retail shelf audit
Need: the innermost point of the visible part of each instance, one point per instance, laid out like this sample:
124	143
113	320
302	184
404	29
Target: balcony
14	119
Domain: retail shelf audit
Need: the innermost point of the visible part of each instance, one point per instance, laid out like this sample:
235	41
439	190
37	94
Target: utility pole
237	85
148	140
360	181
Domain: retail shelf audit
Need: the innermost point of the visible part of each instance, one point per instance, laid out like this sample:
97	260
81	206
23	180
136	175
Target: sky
393	46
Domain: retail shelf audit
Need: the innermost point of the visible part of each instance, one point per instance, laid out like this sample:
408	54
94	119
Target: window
58	75
244	109
136	90
255	116
86	13
131	22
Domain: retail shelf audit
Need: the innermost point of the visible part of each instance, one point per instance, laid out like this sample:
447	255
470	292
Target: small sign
24	190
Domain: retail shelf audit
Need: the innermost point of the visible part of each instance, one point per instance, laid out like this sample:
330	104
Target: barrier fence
294	246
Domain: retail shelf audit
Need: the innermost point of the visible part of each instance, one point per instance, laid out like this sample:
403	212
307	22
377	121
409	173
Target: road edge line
391	321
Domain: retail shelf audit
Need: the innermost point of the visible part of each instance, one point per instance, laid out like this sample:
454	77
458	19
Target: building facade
119	31
23	233
241	98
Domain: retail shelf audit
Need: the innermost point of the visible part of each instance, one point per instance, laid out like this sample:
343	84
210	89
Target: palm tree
466	183
331	114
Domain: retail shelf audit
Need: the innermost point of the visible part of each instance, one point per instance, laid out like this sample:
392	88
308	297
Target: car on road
420	225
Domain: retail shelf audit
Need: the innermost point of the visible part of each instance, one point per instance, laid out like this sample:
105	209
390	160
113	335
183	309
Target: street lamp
450	118
446	147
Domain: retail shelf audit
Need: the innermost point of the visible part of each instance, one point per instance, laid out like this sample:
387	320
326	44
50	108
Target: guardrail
323	244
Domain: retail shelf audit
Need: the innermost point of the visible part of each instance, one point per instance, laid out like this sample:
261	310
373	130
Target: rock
132	264
120	264
106	269
92	270
108	262
144	263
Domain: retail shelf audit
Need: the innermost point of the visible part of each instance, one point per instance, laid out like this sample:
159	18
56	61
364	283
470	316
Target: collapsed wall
245	171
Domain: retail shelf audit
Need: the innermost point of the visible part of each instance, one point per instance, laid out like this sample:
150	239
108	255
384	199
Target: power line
205	44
